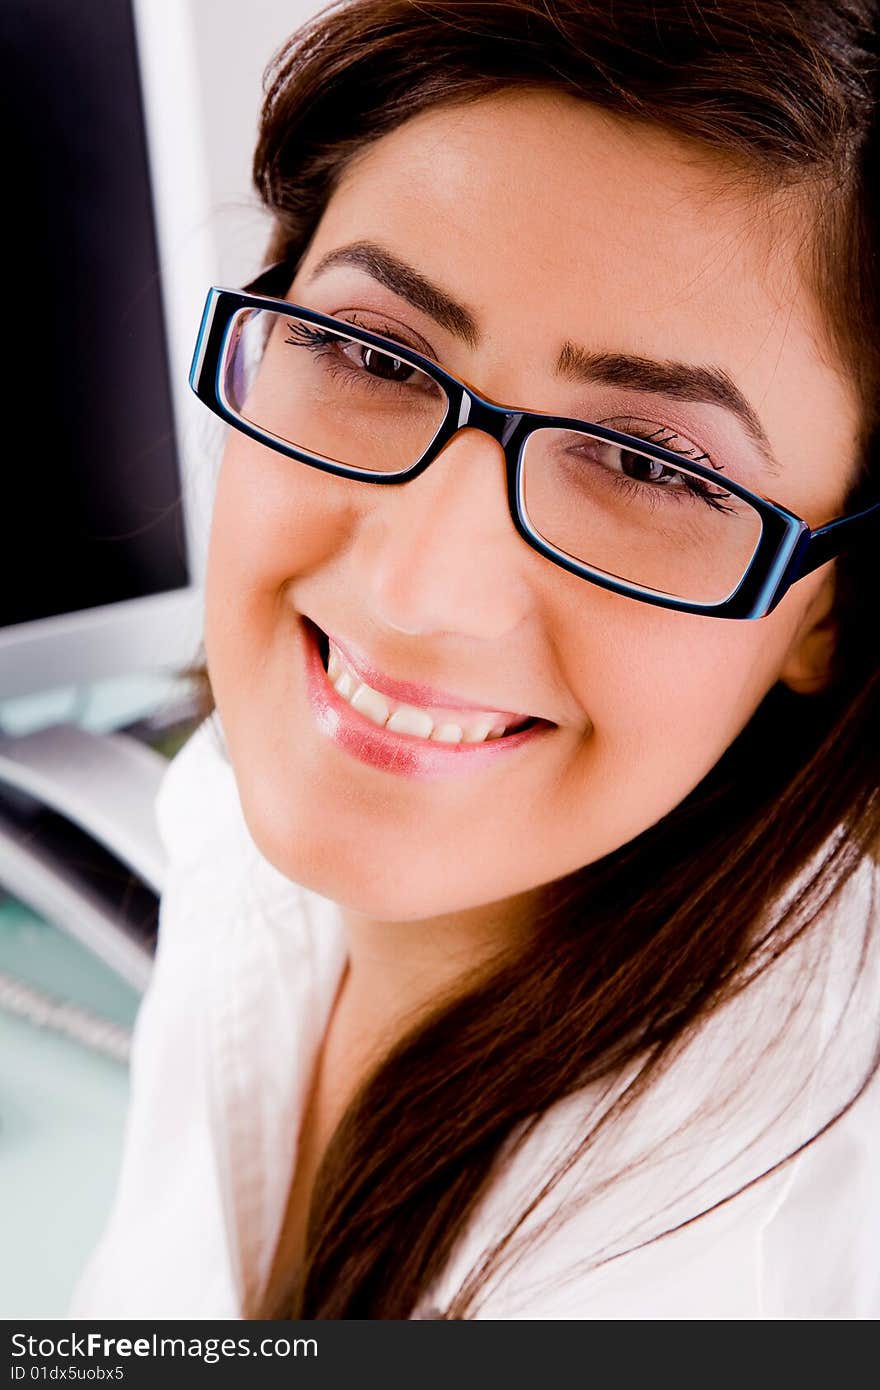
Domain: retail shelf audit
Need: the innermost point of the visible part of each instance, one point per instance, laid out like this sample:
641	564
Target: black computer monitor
92	523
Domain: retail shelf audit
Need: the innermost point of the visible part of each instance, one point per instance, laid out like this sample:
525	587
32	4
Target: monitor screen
91	510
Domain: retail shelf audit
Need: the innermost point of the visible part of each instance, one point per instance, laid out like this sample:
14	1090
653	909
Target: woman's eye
646	478
378	364
638	466
652	432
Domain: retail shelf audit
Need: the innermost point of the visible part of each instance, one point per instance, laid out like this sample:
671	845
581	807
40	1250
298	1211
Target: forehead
552	219
609	211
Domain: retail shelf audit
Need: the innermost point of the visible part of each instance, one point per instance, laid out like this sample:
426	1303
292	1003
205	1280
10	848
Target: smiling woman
541	647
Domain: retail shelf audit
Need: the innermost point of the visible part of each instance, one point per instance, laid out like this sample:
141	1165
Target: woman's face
546	222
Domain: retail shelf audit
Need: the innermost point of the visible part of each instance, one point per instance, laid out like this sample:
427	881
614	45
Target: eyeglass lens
614	509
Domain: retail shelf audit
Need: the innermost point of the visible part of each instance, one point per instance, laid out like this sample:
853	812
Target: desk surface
63	1104
62	1108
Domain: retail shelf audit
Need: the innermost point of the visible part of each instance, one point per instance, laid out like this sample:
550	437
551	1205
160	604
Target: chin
338	868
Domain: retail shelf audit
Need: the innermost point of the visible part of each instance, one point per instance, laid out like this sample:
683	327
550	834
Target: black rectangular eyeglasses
616	510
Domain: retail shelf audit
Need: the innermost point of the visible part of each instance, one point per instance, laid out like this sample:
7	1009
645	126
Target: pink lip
402	754
412	692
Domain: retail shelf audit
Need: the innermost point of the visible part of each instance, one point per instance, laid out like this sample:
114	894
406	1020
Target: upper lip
416	692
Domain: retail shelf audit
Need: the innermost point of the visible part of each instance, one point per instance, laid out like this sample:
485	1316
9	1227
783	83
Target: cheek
273	518
667	694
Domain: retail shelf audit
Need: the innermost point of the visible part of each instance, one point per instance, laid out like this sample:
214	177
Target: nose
440	553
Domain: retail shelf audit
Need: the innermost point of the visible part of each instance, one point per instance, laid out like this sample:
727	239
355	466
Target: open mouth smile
385	731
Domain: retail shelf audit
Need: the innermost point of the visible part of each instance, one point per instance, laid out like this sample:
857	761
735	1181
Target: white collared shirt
247	968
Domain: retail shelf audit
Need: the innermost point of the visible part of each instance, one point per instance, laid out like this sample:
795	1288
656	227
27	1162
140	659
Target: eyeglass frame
787	550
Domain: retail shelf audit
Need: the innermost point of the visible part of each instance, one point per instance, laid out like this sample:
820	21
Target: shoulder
245	967
197	804
741	1184
217	880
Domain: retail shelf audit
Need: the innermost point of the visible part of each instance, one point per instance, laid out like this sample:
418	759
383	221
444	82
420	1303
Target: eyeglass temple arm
829	541
274	280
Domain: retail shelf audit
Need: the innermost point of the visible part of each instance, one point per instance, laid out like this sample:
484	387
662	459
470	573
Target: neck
399	971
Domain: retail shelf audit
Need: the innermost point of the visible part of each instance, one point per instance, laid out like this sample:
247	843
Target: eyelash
665	443
697	488
321	342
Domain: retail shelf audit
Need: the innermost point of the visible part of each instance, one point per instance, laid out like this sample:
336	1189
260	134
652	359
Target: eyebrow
680	381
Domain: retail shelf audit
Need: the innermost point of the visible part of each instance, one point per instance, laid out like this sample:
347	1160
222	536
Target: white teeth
345	684
370	703
447	733
407	720
478	731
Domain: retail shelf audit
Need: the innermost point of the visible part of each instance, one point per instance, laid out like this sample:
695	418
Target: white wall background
233	42
202	69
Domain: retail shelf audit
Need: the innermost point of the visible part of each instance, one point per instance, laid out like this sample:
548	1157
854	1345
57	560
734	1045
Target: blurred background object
128	194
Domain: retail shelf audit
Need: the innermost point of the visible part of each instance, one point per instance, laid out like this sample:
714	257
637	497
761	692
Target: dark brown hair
631	952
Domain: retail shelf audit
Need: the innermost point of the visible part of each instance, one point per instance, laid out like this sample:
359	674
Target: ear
807	665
